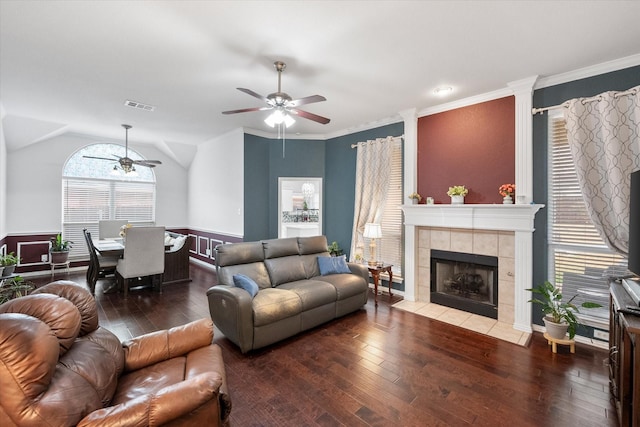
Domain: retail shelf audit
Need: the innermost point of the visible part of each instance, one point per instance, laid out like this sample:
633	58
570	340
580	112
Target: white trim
465	102
590	71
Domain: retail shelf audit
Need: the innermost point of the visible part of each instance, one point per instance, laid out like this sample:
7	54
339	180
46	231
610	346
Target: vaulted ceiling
69	66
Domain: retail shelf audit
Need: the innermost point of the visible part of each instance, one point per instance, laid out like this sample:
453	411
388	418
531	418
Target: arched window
97	189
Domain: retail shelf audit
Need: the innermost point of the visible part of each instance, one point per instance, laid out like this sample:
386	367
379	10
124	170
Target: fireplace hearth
464	281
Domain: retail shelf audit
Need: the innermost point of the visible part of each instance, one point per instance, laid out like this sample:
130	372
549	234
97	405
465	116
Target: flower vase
507	200
414	201
457	200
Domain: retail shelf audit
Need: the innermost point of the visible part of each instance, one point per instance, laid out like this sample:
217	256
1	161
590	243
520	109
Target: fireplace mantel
472	216
518	218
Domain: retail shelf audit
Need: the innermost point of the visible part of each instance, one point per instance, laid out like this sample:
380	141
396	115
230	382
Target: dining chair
143	257
99	266
110	228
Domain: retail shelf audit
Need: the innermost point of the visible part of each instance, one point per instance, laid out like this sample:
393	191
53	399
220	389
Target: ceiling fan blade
306	100
100	158
148	163
310	116
246	110
252	93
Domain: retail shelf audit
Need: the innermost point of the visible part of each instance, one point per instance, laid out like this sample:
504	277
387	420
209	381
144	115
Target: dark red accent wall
472	146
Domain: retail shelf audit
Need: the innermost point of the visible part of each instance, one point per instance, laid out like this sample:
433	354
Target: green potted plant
15	287
457	193
9	262
559	316
59	250
334	249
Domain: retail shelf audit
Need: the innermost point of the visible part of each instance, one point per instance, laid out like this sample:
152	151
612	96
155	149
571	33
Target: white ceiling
69	66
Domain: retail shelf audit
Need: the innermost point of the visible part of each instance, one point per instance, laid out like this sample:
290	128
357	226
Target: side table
375	271
54	265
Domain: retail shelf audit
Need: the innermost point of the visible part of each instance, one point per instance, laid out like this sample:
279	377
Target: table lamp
372	231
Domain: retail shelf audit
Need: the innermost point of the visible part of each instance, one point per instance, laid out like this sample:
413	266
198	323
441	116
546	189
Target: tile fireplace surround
503	231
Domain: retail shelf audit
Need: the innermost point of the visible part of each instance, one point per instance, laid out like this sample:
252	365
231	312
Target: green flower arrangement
457	190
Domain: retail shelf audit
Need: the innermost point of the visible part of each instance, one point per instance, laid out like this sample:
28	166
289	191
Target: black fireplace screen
465	281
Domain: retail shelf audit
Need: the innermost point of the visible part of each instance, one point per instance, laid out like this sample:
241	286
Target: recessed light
443	90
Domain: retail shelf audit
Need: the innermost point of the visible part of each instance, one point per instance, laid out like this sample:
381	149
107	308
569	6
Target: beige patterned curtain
604	137
372	185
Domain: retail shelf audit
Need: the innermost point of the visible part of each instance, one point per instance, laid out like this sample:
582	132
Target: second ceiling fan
282	104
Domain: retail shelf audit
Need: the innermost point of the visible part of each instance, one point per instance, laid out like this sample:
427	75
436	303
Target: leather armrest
360	270
231	309
168	404
157	346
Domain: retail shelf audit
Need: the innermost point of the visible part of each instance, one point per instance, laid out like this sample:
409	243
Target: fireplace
465	281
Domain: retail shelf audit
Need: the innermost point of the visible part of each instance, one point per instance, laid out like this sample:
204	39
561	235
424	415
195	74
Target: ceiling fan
282	104
127	164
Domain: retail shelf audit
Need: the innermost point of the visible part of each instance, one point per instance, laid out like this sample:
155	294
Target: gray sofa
292	295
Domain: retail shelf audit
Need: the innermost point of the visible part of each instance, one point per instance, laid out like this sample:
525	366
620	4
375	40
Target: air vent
139	105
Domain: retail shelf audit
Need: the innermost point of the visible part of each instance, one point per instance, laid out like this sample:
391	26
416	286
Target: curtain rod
373	140
565	104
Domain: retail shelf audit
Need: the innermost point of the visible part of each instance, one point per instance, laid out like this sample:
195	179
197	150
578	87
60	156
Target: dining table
109	247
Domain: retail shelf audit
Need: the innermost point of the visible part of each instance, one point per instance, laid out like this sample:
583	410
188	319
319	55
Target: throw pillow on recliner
246	283
333	265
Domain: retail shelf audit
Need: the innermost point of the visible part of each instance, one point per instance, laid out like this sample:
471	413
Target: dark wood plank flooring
381	367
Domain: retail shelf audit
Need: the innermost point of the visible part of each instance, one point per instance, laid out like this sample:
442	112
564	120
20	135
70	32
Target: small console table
375	271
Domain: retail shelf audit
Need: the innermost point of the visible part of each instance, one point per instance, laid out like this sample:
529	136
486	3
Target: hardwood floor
381	367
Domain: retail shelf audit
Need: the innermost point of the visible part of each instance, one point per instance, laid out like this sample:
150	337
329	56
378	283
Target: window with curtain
579	260
92	190
391	245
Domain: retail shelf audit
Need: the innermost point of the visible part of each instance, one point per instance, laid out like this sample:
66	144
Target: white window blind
91	192
579	260
391	246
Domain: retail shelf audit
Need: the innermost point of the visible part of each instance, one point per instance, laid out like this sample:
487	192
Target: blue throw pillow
246	283
333	265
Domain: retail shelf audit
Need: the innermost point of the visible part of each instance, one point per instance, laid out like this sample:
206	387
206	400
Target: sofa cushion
347	285
256	270
312	245
310	264
271	305
239	253
312	293
333	265
285	269
246	283
276	248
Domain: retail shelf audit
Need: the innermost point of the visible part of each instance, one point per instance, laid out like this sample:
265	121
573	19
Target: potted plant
9	263
14	288
507	191
559	316
334	249
415	198
59	250
457	193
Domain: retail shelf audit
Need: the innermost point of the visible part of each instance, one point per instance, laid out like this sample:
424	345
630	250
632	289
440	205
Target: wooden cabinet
624	357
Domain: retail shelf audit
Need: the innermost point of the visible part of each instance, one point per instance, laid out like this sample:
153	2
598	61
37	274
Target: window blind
579	260
390	247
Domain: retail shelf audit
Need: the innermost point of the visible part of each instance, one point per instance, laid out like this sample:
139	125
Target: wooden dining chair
99	266
143	257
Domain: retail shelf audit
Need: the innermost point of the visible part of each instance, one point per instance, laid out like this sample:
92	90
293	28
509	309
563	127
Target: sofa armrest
155	347
359	269
231	309
170	403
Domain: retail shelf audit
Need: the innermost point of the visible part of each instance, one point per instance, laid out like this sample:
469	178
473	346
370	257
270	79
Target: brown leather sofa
292	293
58	367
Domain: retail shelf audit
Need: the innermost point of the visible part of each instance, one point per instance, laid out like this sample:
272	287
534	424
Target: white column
523	91
524	272
410	185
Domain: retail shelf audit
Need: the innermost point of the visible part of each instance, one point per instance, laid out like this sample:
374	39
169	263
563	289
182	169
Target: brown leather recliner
58	367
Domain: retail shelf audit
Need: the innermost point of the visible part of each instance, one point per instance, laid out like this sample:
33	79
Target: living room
223	187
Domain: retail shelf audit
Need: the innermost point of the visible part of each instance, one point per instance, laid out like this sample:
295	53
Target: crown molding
465	102
590	71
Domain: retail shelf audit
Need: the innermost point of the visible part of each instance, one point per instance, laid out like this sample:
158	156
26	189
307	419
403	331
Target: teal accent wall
546	97
340	181
263	165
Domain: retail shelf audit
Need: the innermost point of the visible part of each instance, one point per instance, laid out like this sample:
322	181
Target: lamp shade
372	230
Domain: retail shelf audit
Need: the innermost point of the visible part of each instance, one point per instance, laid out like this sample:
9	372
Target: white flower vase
414	201
507	200
457	200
